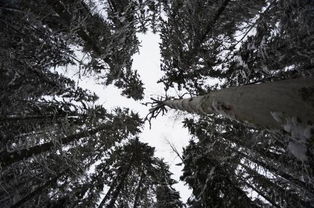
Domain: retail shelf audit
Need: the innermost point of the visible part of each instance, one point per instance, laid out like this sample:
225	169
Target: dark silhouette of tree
137	177
88	144
45	29
222	145
252	46
246	46
128	176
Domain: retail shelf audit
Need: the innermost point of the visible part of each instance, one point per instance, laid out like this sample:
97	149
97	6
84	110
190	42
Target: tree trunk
49	118
276	192
269	105
277	171
37	191
59	8
265	162
8	158
116	192
265	153
248	184
138	190
210	26
103	201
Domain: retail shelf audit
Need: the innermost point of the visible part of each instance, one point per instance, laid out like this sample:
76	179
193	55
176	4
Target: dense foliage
226	161
59	149
239	43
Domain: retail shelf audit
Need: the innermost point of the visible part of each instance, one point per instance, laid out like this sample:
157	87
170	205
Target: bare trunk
269	105
210	26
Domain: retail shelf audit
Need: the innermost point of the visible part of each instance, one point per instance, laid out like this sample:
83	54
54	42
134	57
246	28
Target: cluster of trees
59	149
250	47
226	160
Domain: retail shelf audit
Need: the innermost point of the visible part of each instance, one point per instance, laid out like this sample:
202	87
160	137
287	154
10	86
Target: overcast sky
164	128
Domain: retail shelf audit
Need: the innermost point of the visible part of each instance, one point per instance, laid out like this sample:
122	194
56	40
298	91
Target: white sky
168	127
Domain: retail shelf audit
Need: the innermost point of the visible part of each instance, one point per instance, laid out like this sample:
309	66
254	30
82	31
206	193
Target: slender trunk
14	118
229	137
275	191
8	158
259	192
210	26
138	190
11	185
59	8
37	191
247	202
279	172
277	160
116	192
267	105
18	118
103	201
25	135
229	184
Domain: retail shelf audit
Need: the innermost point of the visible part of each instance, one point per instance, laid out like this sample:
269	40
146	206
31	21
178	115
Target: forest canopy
251	145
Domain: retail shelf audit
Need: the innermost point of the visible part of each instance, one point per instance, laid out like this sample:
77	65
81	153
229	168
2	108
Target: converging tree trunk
107	196
276	192
284	104
8	158
278	171
119	188
38	190
259	192
138	190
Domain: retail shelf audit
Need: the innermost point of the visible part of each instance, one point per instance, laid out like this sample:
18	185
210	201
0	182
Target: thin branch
174	149
11	9
211	24
261	17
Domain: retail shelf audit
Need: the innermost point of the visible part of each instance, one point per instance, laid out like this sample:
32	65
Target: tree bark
120	186
268	105
259	158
